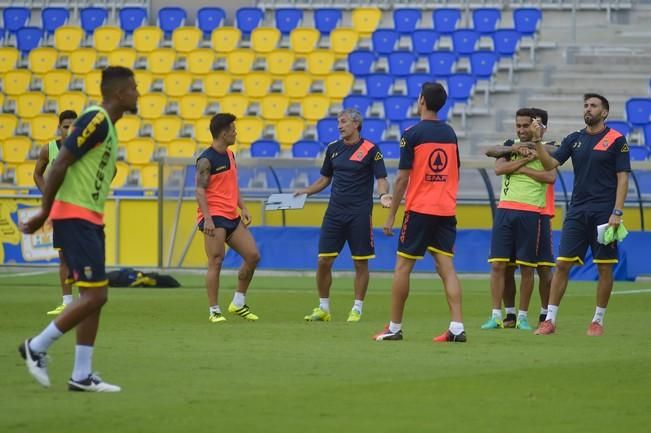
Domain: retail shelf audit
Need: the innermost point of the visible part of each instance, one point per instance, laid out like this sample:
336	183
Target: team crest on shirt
605	144
403	142
438	161
88	272
378	156
624	148
359	155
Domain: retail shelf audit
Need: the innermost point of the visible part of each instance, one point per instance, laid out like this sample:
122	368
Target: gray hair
354	115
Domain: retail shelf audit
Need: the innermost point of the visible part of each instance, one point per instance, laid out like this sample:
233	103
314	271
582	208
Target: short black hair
67	114
603	100
220	122
112	78
434	94
539	112
525	112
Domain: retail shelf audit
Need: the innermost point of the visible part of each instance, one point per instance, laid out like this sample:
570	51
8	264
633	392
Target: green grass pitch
180	373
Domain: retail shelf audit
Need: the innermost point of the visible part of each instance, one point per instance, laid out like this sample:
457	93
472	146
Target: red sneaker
449	337
545	328
595	330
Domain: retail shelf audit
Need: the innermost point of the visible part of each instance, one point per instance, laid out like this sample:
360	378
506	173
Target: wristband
618	212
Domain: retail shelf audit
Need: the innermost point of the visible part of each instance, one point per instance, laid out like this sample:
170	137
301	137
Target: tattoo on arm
203	173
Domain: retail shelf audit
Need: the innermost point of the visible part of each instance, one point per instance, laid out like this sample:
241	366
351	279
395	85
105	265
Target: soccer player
48	154
429	173
516	228
601	163
350	163
218	196
75	191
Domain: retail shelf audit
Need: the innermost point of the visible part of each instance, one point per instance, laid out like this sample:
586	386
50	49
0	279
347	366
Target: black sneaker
449	337
36	363
388	335
510	321
93	383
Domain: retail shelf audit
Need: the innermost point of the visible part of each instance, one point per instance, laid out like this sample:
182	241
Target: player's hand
208	227
246	217
388	225
34	223
299	192
536	129
386	199
614	221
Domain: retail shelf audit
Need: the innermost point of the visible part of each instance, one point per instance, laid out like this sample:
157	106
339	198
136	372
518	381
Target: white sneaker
36	363
93	383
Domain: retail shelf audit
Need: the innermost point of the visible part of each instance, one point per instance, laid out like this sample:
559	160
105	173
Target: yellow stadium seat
149	176
249	129
24	174
82	61
320	62
274	107
234	104
56	82
343	41
122	57
225	39
202	130
143	80
152	105
30	104
68	38
15	149
303	40
264	39
200	61
256	84
193	106
161	61
186	39
280	62
166	128
181	148
128	128
42	60
147	38
43	127
139	151
16	82
289	131
338	85
8	124
121	174
75	101
315	107
177	84
297	86
240	62
217	84
366	20
107	38
92	82
8	58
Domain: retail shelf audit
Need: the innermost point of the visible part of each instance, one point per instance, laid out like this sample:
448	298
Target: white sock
238	299
552	311
67	299
456	328
522	313
42	342
599	315
215	309
543	311
83	362
394	327
324	304
510	310
497	314
357	306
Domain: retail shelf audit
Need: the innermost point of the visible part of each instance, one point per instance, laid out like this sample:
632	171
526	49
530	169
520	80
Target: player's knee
499	267
252	258
563	266
98	298
325	262
361	265
216	261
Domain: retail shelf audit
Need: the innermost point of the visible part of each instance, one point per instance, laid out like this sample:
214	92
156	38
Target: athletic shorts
579	232
356	229
222	222
82	243
546	244
515	234
422	232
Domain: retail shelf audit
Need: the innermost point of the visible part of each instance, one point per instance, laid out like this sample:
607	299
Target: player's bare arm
41	165
383	192
620	197
202	181
541	149
319	185
504	166
399	188
543	176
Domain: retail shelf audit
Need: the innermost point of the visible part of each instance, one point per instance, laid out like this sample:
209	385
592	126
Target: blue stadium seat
384	41
415	83
378	85
15	18
28	38
358	102
91	18
464	41
287	19
638	153
460	87
265	149
400	63
397	108
373	129
326	19
482	64
209	18
360	62
526	20
170	18
638	111
620	126
306	149
52	18
389	149
485	20
647	135
424	41
248	19
441	63
408	123
506	42
244	175
190	173
327	130
406	20
131	18
446	19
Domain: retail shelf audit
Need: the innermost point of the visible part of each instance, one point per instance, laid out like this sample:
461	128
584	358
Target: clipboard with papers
285	201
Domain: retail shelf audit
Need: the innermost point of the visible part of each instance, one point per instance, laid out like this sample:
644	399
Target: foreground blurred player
429	173
350	163
601	163
74	195
218	197
46	156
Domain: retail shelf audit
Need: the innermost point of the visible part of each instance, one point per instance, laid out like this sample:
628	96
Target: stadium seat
287	19
149	176
202	130
107	38
52	18
249	129
43	128
193	106
92	18
265	149
373	129
15	18
306	149
620	126
464	42
366	20
122	57
152	105
264	39
131	18
235	104
297	85
139	151
280	62
415	83
406	20
274	107
161	61
338	85
92	84
75	101
638	111
186	39
28	38
247	19
8	124
217	84
144	80
647	135
505	42
209	18
638	153
56	82
378	85
360	62
384	41
442	63
82	61
303	40
424	41
240	62
181	148
327	130
200	61
389	149
315	107
400	63
446	20
225	39
256	84
68	38
25	173
397	108
483	64
327	19
42	60
526	20
166	128
15	149
146	39
176	84
16	82
320	62
485	20
121	174
170	18
288	131
128	128
343	41
8	59
460	87
358	102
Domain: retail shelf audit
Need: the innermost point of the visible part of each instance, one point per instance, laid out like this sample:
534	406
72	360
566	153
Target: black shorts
356	229
82	243
579	232
222	222
56	243
422	232
546	244
515	235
